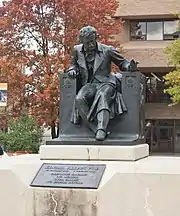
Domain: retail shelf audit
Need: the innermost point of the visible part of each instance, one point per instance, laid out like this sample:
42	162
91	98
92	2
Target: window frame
152	20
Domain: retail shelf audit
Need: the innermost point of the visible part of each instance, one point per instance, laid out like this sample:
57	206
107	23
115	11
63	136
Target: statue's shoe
101	135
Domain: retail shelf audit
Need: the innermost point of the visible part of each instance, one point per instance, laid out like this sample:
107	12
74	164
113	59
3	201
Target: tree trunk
58	130
53	131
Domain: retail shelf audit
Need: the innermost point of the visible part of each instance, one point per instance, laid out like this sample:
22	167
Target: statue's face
89	43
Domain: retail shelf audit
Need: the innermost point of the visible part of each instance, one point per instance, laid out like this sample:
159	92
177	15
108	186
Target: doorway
165	138
160	136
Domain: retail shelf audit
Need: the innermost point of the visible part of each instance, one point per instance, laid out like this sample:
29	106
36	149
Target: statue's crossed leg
83	112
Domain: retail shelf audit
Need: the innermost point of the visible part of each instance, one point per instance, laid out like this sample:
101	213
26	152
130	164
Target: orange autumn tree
32	32
11	73
42	33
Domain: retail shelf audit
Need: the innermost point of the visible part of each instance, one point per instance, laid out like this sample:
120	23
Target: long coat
105	55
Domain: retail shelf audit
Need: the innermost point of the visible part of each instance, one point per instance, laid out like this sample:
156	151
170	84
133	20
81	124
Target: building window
154	30
171	30
138	30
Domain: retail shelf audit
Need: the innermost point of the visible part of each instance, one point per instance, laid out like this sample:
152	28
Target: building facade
149	27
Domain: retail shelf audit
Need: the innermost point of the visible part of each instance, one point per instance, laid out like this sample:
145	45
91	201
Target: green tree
23	135
172	79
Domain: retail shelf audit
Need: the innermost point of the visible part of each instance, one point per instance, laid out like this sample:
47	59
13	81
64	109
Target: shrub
23	135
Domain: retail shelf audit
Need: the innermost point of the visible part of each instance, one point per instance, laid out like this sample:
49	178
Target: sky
1	2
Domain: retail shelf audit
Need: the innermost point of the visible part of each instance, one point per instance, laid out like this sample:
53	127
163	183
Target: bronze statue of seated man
99	98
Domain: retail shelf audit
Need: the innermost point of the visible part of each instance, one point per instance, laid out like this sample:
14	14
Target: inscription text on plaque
69	175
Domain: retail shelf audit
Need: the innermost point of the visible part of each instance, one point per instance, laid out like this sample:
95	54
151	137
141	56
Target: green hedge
23	135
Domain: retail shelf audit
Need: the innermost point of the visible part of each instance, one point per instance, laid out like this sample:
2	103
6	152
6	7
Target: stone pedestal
147	187
91	152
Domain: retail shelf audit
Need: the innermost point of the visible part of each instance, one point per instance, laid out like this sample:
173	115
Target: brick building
149	27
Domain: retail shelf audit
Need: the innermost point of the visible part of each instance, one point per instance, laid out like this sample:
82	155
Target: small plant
23	135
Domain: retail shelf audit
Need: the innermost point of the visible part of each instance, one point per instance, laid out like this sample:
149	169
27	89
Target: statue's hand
132	67
129	66
72	74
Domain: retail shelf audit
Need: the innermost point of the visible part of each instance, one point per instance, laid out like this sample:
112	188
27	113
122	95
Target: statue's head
88	36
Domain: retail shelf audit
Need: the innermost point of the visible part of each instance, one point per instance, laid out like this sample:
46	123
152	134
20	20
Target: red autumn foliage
11	73
40	34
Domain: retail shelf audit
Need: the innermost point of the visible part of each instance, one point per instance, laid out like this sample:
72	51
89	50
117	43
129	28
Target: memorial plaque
69	175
